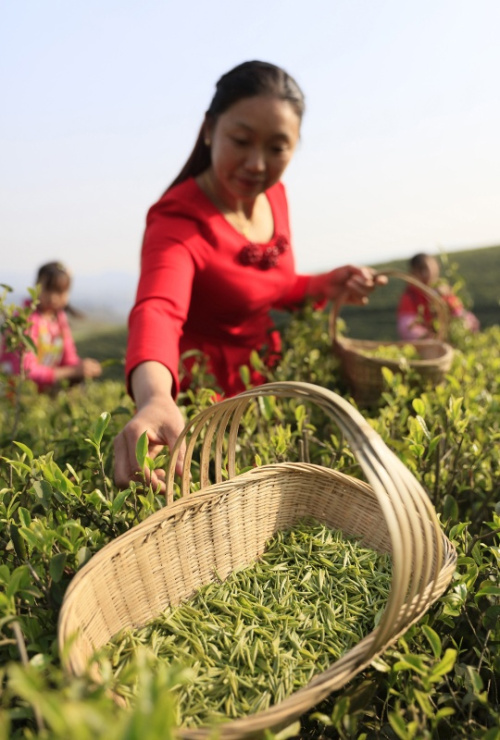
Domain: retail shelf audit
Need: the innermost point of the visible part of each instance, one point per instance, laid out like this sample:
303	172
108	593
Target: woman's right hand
158	415
354	283
89	368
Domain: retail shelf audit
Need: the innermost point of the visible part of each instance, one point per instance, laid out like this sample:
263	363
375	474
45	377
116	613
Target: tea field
59	506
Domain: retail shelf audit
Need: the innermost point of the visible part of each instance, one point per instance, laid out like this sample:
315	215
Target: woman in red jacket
216	256
416	317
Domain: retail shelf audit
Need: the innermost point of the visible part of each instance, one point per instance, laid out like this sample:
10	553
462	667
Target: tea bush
59	506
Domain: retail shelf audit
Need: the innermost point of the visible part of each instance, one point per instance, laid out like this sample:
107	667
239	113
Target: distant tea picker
55	358
416	319
217	257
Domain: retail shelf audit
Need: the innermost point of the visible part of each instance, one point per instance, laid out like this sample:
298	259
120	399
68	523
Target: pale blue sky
102	100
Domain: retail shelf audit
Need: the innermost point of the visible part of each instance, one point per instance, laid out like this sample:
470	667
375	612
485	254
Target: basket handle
433	295
412	523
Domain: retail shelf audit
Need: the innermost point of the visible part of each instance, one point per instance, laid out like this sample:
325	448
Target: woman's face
51	300
429	272
251	145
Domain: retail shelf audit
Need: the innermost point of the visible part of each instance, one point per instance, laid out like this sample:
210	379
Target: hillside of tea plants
59	506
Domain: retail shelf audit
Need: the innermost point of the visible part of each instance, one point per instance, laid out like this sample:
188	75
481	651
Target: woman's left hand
354	283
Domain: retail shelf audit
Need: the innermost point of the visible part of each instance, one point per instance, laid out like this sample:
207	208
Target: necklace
261	256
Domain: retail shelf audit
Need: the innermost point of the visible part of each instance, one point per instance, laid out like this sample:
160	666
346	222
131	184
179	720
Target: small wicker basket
363	374
165	559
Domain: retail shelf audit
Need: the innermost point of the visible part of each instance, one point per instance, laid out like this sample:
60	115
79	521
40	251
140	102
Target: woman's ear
207	129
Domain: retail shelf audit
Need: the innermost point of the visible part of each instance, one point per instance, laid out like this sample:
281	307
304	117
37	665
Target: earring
207	141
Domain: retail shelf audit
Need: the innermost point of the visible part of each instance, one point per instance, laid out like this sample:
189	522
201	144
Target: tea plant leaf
381	665
492	734
457	530
340	710
19	579
445	712
44	492
245	375
141	450
73	472
267	405
433	639
423	425
424	703
397	722
291	731
445	665
25	449
487	589
450	507
475	680
83	555
30	537
388	376
322	717
411	663
17	465
100	427
17	541
119	500
418	406
491	617
24	516
56	566
471	573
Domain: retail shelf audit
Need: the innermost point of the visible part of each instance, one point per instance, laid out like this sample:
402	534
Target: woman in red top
416	317
217	256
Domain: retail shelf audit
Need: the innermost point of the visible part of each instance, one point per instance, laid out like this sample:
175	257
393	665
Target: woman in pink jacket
56	358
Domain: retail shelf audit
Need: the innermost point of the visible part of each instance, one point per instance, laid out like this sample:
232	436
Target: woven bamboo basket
163	561
363	374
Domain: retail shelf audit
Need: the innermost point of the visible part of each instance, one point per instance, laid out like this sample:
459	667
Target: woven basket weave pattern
165	559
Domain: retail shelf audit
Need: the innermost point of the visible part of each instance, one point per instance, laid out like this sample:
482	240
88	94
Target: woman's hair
421	260
56	278
247	80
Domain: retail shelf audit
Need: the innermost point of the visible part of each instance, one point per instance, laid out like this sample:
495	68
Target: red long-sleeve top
197	290
416	314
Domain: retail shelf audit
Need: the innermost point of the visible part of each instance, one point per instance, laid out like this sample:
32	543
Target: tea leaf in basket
265	631
393	352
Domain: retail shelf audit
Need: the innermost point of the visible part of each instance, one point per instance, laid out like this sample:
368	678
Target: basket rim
349	346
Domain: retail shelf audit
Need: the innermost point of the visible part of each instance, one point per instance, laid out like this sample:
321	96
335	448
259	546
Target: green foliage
14	321
59	506
106	344
15	339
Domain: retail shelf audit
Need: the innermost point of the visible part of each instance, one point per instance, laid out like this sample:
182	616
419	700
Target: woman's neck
47	313
252	218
